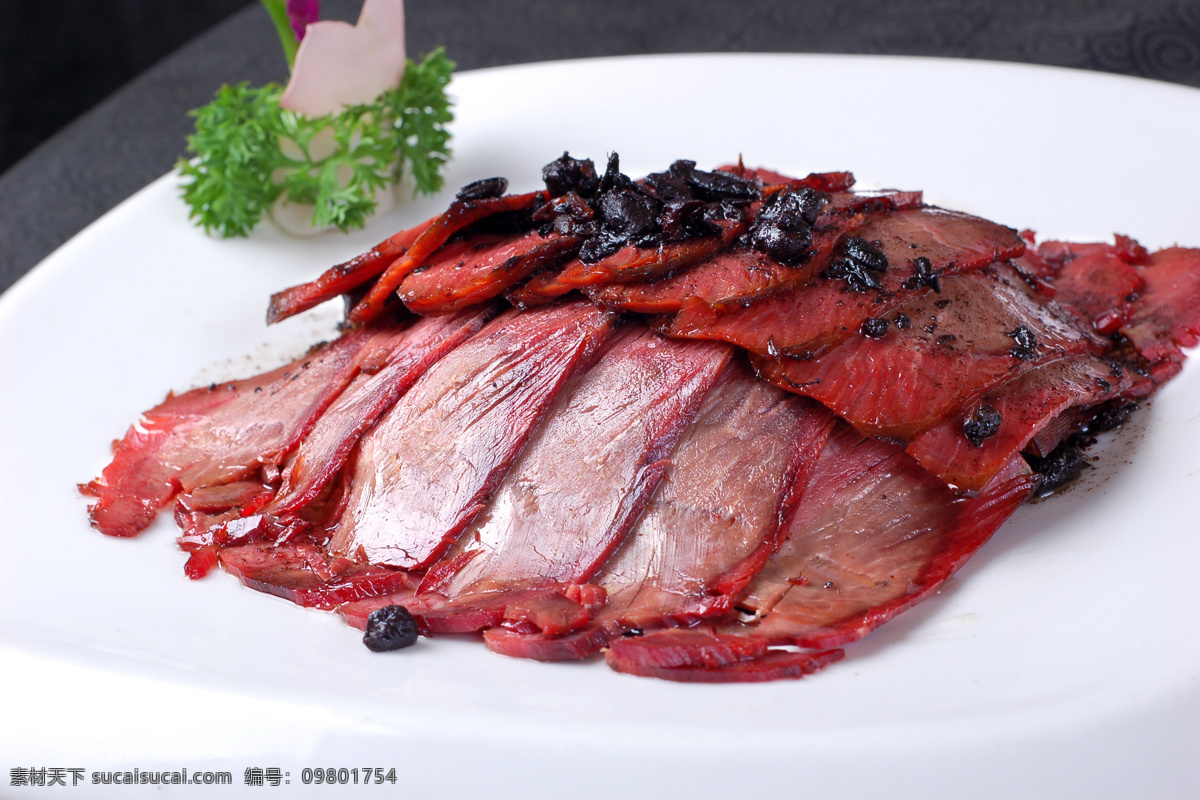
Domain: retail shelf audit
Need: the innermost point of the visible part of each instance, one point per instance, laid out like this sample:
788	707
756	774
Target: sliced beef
874	535
473	270
967	450
308	576
827	182
1166	316
1097	282
984	329
219	434
733	480
808	319
345	277
737	276
697	656
630	263
462	212
586	474
428	465
324	451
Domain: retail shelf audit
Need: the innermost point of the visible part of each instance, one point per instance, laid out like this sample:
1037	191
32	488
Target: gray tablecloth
137	134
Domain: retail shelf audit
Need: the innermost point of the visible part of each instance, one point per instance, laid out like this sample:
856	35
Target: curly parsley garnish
249	152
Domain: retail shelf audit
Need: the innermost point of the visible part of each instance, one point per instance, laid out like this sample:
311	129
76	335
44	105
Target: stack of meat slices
714	424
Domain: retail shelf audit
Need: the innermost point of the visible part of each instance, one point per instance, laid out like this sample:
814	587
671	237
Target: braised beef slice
873	536
472	271
738	276
308	576
460	214
1166	316
219	434
323	453
586	474
413	493
810	318
911	380
715	519
1025	406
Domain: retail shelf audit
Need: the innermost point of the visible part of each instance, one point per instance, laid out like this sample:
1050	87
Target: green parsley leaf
248	152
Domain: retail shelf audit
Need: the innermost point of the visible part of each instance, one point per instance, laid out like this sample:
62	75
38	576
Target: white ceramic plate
1062	662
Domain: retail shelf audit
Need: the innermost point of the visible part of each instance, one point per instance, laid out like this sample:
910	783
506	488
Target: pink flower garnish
340	65
302	13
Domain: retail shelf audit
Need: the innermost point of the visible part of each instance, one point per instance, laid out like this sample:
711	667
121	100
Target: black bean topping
783	227
982	423
1063	465
600	246
947	339
681	168
903	322
628	212
1105	386
667	188
789	247
1026	347
683	219
1111	416
924	275
858	263
482	189
875	328
567	174
714	185
390	628
942	303
613	177
792	210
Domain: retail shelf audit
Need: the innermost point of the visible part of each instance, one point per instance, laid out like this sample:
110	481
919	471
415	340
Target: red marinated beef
630	263
426	468
324	451
584	477
1024	407
307	575
954	347
733	480
218	434
737	276
460	214
805	320
874	535
473	270
1166	316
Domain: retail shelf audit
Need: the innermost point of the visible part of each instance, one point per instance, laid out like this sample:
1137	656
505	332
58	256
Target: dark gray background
132	67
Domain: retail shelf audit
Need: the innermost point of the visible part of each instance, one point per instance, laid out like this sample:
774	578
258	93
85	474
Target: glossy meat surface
476	269
874	534
1026	407
588	472
216	434
324	451
807	319
956	346
718	515
427	467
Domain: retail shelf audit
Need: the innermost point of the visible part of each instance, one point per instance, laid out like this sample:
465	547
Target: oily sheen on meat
716	425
